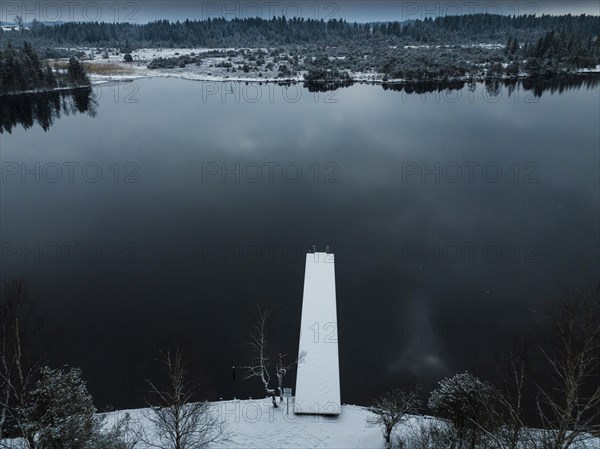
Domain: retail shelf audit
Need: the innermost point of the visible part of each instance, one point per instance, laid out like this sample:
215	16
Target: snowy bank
254	423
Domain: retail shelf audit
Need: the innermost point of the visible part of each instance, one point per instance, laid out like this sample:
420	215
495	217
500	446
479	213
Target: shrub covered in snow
464	400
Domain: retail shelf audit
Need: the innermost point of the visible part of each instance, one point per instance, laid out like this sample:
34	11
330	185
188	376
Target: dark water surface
179	206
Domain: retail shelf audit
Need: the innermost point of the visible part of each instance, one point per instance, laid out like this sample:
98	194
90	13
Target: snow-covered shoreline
109	66
368	78
44	91
254	423
113	68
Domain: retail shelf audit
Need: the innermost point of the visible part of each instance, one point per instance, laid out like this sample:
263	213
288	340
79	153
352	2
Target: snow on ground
12	28
114	68
277	429
40	91
595	70
488	46
254	423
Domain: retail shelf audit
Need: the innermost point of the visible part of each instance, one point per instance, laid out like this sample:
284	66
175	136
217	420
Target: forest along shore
452	48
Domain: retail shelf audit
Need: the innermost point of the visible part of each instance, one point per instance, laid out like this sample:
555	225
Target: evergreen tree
61	413
514	46
77	75
509	45
23	70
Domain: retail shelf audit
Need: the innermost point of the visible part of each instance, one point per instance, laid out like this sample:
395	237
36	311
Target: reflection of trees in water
424	87
326	87
493	87
560	84
43	108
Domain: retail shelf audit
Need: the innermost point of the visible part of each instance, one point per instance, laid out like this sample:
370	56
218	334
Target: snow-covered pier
318	376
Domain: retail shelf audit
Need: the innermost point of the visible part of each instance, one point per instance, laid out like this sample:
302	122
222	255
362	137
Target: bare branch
569	405
392	408
179	422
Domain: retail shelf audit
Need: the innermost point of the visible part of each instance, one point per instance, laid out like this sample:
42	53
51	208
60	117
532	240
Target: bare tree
261	364
17	369
509	393
392	408
281	369
180	420
569	405
507	410
499	419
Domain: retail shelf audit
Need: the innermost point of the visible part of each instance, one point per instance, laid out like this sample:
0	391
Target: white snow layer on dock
318	375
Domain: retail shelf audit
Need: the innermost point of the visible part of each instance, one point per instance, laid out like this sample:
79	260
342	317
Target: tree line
487	27
22	69
258	32
442	49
